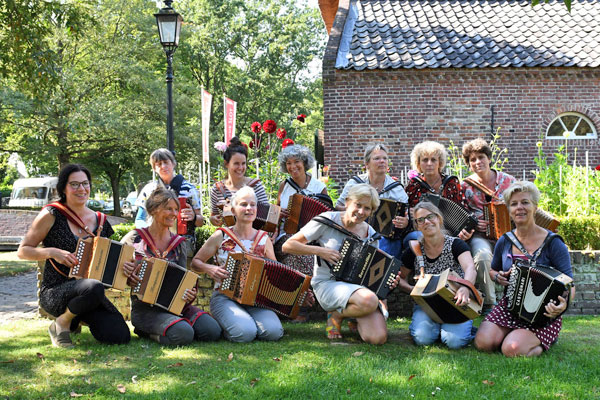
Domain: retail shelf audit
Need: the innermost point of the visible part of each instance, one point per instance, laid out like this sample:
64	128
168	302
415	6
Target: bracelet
496	278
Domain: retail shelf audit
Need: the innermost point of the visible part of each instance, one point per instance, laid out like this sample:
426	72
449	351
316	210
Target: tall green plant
456	164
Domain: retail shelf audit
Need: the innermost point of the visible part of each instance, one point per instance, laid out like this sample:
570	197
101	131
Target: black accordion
381	220
267	216
301	209
366	265
531	287
456	217
102	259
435	294
163	284
260	282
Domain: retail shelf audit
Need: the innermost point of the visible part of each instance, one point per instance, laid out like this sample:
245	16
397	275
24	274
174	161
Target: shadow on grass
303	364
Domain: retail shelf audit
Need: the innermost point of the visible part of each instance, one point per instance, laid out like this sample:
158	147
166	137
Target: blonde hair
521	187
363	190
428	148
241	193
429	206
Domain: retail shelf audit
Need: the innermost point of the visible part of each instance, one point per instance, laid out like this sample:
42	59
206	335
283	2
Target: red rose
245	145
597	167
255	127
254	143
301	117
281	133
269	126
286	143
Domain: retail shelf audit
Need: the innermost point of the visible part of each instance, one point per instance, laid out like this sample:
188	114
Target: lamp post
169	26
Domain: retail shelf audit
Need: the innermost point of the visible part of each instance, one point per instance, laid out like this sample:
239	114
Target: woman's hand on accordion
330	255
190	295
217	273
501	278
400	222
63	257
309	300
482	225
553	310
129	268
465	234
462	296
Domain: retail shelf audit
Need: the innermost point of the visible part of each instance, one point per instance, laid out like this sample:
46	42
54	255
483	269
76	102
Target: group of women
471	255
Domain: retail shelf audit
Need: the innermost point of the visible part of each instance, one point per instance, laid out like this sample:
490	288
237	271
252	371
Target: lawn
302	365
11	265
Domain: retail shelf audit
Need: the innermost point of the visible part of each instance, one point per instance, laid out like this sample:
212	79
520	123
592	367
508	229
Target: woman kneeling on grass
240	323
341	299
440	252
158	241
501	329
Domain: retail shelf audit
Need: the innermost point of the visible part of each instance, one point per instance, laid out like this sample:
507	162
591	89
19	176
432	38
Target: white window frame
572	136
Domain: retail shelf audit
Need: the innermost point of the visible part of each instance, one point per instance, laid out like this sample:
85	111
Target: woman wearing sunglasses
440	252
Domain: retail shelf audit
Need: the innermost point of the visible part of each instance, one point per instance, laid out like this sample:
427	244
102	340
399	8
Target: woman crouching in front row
341	299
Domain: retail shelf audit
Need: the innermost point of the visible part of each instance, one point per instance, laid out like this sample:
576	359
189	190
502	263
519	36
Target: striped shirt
216	196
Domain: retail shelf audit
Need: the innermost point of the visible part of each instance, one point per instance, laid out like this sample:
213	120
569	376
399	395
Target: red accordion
260	282
301	210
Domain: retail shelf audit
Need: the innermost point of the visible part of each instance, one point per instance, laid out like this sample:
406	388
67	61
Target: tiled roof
382	34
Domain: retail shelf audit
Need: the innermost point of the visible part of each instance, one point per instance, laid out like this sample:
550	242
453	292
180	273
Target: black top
458	247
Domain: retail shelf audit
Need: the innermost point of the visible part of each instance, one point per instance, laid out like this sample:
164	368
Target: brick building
403	71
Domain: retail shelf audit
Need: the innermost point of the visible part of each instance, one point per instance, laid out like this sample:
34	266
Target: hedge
202	233
580	233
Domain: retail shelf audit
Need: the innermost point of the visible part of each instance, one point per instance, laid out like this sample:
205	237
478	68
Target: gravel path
18	297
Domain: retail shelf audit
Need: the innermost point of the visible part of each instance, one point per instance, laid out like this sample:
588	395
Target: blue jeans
244	323
414	235
391	246
425	331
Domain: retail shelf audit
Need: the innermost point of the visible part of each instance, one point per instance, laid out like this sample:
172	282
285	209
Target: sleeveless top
228	245
444	261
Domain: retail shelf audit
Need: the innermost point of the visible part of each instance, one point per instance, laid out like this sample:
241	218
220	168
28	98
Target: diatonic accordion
435	294
381	220
301	209
267	216
366	265
546	220
163	284
456	217
496	214
102	259
260	282
531	287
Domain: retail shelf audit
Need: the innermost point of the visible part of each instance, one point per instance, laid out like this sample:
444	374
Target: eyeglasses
429	217
75	185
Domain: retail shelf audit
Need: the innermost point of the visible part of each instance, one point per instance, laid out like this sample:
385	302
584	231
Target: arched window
571	125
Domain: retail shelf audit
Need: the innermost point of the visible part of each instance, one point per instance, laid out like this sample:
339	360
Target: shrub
202	234
581	232
121	230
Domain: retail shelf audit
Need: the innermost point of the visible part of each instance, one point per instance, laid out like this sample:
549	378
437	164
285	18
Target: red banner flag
230	109
206	107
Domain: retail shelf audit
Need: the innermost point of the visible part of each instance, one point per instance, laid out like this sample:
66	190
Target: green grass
11	265
302	365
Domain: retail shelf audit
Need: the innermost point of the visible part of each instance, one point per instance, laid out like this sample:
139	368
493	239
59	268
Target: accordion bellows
456	218
267	216
260	282
163	284
102	259
435	294
366	265
301	209
496	213
530	288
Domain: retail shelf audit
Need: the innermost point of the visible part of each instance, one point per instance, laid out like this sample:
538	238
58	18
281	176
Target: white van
33	192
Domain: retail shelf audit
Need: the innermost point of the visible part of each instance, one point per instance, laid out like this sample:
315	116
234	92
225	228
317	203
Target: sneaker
62	339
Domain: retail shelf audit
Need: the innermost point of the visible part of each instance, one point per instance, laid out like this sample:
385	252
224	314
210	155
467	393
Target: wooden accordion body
435	294
546	220
366	265
260	282
102	259
531	287
381	220
163	284
496	213
301	209
456	217
267	216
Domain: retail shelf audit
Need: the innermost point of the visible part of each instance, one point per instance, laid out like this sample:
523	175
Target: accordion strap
390	187
75	219
484	189
532	257
176	240
294	185
253	182
233	237
469	286
57	269
415	245
334	225
221	187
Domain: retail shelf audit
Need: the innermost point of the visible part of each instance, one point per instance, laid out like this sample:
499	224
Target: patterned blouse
448	258
475	198
451	190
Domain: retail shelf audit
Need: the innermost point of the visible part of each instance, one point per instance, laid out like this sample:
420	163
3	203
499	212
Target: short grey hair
363	190
245	190
371	147
298	152
429	206
521	187
428	148
162	155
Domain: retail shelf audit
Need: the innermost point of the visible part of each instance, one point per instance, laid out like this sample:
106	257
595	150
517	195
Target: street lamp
169	26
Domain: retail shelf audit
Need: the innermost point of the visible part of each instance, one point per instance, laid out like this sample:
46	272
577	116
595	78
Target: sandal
333	328
62	339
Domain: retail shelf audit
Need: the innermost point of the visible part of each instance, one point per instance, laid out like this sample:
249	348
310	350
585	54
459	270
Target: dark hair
162	155
235	146
476	146
63	178
159	198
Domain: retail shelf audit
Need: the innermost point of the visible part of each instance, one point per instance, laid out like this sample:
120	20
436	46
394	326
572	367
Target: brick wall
404	107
